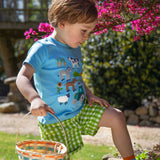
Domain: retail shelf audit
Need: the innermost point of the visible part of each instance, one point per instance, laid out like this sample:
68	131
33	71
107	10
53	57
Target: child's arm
94	99
38	107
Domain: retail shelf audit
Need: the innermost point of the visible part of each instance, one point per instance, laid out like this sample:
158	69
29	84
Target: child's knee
118	117
112	117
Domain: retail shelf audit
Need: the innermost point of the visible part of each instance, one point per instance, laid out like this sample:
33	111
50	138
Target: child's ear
61	25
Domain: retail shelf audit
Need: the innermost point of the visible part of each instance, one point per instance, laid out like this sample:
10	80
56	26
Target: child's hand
94	99
40	108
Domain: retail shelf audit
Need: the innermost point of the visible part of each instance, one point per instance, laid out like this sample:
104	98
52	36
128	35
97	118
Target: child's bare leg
114	119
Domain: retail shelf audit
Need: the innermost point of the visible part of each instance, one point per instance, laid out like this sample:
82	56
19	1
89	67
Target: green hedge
120	70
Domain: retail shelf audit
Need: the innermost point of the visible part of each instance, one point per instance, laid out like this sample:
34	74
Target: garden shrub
120	70
154	154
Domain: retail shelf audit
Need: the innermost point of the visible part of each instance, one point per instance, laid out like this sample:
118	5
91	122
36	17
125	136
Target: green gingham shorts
85	123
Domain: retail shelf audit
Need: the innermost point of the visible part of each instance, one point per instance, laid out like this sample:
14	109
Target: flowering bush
44	30
120	70
144	16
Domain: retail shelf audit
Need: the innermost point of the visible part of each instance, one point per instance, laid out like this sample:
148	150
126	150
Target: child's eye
84	31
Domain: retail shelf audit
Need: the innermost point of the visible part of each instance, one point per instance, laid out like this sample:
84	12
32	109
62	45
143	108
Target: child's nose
86	37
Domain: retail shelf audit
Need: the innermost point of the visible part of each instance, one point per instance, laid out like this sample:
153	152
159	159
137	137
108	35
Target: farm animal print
68	80
63	99
66	73
74	61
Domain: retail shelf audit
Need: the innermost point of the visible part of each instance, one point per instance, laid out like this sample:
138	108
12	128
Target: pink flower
26	33
45	27
119	28
34	33
30	30
36	39
136	38
28	37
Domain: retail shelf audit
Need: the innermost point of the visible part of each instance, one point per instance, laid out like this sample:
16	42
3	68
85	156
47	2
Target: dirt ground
142	137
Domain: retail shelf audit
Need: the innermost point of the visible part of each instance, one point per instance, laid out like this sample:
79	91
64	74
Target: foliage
120	70
154	154
115	14
142	156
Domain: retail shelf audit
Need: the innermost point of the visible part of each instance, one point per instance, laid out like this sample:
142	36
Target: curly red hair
72	11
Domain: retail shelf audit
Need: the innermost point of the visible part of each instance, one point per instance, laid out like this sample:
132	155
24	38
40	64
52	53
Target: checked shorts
85	123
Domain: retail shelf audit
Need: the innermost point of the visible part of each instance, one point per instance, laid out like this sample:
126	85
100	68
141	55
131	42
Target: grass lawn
89	152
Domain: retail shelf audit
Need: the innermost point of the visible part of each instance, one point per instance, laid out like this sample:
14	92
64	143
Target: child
55	63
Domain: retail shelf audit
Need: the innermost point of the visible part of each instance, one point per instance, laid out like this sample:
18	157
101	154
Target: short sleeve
36	56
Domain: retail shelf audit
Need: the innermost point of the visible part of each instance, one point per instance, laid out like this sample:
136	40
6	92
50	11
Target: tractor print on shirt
79	96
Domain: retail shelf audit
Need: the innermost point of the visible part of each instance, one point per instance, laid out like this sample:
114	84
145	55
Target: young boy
55	63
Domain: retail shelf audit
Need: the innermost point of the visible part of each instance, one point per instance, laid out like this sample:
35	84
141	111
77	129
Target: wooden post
7	54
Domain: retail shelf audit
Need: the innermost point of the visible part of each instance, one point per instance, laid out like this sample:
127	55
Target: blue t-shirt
57	77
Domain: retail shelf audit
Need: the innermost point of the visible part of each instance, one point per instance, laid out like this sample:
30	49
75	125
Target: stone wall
14	102
146	115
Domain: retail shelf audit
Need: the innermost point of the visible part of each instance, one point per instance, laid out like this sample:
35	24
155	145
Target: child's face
75	34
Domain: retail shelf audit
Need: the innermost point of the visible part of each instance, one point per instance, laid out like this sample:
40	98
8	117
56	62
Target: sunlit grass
88	152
